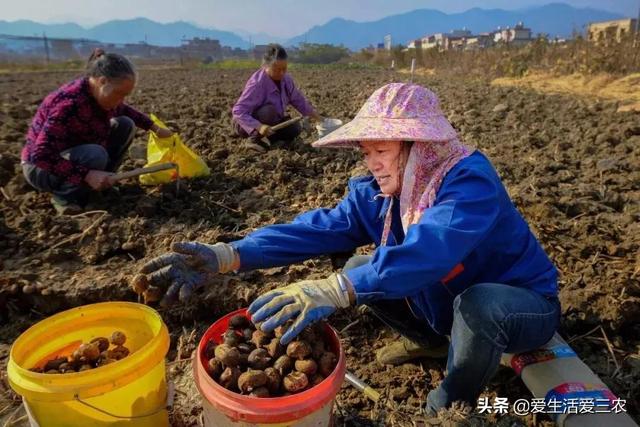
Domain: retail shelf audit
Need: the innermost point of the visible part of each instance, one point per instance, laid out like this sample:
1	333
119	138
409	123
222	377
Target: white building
387	42
518	35
415	44
433	41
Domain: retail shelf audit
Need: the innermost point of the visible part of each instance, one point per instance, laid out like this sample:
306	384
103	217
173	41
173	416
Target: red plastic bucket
223	407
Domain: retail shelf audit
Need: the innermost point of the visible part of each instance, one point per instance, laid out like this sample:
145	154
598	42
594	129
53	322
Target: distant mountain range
260	38
125	31
555	19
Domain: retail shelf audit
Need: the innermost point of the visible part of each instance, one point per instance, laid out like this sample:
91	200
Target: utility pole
636	39
587	42
147	47
182	41
637	34
46	46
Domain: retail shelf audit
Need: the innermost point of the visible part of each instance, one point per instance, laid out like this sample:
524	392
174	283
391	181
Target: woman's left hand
161	132
307	301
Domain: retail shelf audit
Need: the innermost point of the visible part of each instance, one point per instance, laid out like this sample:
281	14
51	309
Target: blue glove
307	301
187	268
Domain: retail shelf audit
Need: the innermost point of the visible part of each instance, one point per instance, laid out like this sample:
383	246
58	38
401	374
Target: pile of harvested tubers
140	285
88	356
254	362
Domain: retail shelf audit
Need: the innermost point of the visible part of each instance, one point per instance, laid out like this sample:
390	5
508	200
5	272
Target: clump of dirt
570	167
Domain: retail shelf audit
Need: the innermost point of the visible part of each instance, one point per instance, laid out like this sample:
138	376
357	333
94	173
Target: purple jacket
261	90
68	117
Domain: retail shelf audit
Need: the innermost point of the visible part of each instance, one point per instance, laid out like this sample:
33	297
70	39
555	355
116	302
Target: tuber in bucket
131	391
222	407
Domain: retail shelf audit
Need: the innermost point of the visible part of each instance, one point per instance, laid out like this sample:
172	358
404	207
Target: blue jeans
396	314
488	319
93	156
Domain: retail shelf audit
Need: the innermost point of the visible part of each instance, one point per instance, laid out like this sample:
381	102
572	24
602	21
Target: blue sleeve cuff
365	281
250	254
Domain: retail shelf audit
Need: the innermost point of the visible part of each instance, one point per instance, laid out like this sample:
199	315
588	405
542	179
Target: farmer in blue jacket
453	255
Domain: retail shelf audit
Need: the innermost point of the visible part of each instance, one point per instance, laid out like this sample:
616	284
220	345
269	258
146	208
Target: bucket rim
329	123
94	382
270	409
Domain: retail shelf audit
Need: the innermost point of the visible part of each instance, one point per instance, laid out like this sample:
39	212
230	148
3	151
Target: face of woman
383	161
277	69
111	93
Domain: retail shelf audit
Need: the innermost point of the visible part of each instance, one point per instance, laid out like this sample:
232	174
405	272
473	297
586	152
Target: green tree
312	53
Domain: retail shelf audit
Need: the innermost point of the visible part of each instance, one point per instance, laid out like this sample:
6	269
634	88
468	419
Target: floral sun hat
396	111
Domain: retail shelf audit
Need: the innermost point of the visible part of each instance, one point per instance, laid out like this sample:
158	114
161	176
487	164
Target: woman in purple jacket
81	133
264	101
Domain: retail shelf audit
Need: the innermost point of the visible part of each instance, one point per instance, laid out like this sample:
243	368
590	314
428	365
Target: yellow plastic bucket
131	391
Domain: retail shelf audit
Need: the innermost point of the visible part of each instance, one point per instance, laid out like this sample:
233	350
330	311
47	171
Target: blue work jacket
472	234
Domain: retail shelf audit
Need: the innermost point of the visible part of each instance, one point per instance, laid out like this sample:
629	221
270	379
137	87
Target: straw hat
396	111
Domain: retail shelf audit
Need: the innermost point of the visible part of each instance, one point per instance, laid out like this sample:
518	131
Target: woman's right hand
99	180
188	268
161	132
265	130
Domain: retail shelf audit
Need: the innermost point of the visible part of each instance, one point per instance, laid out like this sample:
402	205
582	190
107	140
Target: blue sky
281	18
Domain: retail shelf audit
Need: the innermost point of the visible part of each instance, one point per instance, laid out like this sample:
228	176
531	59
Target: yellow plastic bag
164	150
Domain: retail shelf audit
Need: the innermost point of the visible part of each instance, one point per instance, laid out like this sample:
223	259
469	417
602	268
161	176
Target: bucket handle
171	392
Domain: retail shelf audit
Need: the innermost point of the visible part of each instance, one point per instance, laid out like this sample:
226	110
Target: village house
464	40
611	31
202	48
433	41
517	36
415	44
481	41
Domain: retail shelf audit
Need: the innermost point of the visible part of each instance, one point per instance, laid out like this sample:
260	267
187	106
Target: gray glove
187	268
